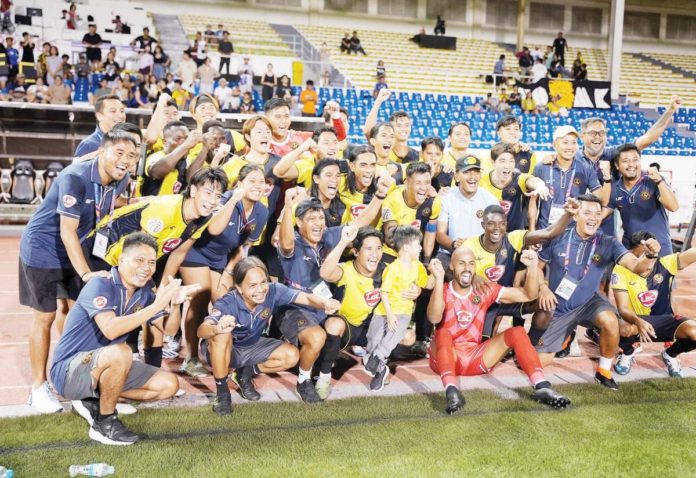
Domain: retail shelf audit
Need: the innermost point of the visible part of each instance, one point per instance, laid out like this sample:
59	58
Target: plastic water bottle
94	469
6	473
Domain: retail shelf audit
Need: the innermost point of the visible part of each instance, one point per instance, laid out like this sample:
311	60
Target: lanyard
243	222
570	181
589	258
99	202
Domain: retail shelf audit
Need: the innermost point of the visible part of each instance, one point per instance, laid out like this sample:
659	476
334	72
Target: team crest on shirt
494	274
645	195
170	244
658	278
176	187
294	145
577	181
523	162
372	297
476	299
251	228
511	190
266	313
479	213
154	226
137	308
596	258
464	318
301	322
215	313
69	201
357	209
503	253
648	298
506	205
100	302
426	212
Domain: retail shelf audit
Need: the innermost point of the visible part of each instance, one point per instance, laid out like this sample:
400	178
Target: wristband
431	227
84	274
651	256
381	198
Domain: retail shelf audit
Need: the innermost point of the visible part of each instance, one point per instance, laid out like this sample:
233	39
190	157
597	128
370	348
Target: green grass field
647	429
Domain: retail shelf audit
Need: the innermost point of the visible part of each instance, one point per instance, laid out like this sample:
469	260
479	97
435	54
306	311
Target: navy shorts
40	288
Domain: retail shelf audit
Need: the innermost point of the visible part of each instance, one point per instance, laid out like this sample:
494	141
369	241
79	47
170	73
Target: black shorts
293	320
355	334
665	326
39	288
514	310
196	265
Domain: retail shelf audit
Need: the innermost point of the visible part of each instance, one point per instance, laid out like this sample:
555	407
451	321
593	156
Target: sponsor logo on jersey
69	201
577	181
506	205
464	318
503	253
372	297
479	213
100	302
648	298
596	258
170	244
495	273
154	226
416	224
426	212
357	209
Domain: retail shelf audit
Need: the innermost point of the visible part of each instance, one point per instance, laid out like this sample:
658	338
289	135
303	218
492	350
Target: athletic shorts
665	326
78	383
244	356
469	360
514	310
40	288
293	320
355	334
196	265
562	326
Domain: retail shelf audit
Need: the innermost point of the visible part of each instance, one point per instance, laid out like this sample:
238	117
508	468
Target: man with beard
459	313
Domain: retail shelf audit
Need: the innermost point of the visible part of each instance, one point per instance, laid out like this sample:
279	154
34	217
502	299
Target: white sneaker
170	347
44	400
673	365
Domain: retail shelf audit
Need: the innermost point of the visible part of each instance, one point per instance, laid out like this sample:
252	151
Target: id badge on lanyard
101	237
557	210
569	284
556	213
322	290
566	287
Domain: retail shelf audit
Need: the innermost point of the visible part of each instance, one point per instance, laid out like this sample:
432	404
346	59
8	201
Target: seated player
459	313
233	331
644	301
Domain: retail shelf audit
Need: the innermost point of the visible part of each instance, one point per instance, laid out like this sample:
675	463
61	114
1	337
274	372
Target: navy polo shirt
82	334
251	324
582	176
90	144
608	154
599	252
72	195
214	251
641	210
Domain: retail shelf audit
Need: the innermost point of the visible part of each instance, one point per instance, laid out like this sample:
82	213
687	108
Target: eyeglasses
596	134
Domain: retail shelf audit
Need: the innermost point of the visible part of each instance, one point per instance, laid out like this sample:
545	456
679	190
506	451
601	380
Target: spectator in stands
581	73
19	88
142	97
381	70
345	43
515	98
181	95
12	57
145	61
560	45
27	48
554	108
220	33
59	93
539	71
439	26
499	71
529	106
82	69
111	68
309	100
225	49
525	61
187	70
557	70
197	49
66	67
163	88
207	75
503	105
72	18
284	90
103	90
121	91
144	40
417	38
548	57
92	43
153	91
161	63
577	63
490	103
4	89
247	105
325	67
537	53
246	76
209	32
43	56
118	24
380	85
355	45
5	16
169	80
221	93
234	102
268	83
37	92
54	65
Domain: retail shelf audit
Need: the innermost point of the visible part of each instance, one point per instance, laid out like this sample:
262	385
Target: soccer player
213	151
109	111
361	181
284	139
641	199
577	260
644	301
459	135
459	313
92	365
509	130
297	165
51	261
233	331
382	139
401	122
441	168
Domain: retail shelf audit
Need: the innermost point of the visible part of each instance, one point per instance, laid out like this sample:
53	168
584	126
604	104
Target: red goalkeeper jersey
465	314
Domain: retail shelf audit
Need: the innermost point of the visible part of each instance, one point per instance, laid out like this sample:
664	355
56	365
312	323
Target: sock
626	344
535	334
680	346
542	384
304	375
332	347
324	377
517	321
221	385
526	356
153	356
444	347
604	367
132	340
101	417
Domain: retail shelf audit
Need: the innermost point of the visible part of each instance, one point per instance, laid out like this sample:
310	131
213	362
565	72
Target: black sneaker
606	382
245	384
222	405
307	392
110	431
566	351
592	335
455	400
372	365
420	349
380	378
87	409
550	397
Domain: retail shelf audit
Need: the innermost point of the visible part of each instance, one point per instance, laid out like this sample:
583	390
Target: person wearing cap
462	209
566	177
301	252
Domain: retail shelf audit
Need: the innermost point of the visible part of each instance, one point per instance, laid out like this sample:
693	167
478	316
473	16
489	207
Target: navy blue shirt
82	334
577	180
251	324
214	251
641	210
12	56
76	193
608	154
90	144
588	260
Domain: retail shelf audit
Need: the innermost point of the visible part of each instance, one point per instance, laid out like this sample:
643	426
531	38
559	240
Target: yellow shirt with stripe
396	279
623	279
360	296
487	162
486	259
237	139
394	208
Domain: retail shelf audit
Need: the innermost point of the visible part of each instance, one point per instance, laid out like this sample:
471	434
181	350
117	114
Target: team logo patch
479	213
170	244
476	300
495	273
614	278
100	302
426	212
471	160
69	201
658	278
503	253
523	162
506	205
268	188
357	210
154	226
215	312
648	298
301	322
511	190
464	318
596	258
137	308
251	227
294	145
177	187
266	313
577	181
372	297
416	224
645	195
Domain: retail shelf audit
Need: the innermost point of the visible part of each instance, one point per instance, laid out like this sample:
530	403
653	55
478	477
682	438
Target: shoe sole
81	410
98	437
455	410
557	403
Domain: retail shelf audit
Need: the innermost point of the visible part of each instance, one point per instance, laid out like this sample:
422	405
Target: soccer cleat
193	368
673	365
550	397
380	379
87	409
624	363
592	335
307	392
171	346
455	400
222	405
372	365
44	400
246	386
110	431
610	383
420	349
323	387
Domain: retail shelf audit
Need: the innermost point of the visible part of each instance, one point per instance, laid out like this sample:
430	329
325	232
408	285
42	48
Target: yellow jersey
397	278
511	197
498	266
360	294
394	208
648	295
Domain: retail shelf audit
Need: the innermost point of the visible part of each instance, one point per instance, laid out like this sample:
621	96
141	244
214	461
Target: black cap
306	205
468	162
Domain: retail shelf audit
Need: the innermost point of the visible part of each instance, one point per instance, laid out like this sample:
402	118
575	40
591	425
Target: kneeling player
459	314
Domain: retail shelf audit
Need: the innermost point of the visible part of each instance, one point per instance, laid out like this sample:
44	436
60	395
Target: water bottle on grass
94	469
6	473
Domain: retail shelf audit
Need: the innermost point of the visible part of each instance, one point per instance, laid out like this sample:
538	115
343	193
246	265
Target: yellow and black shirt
648	295
511	198
359	295
498	266
395	208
